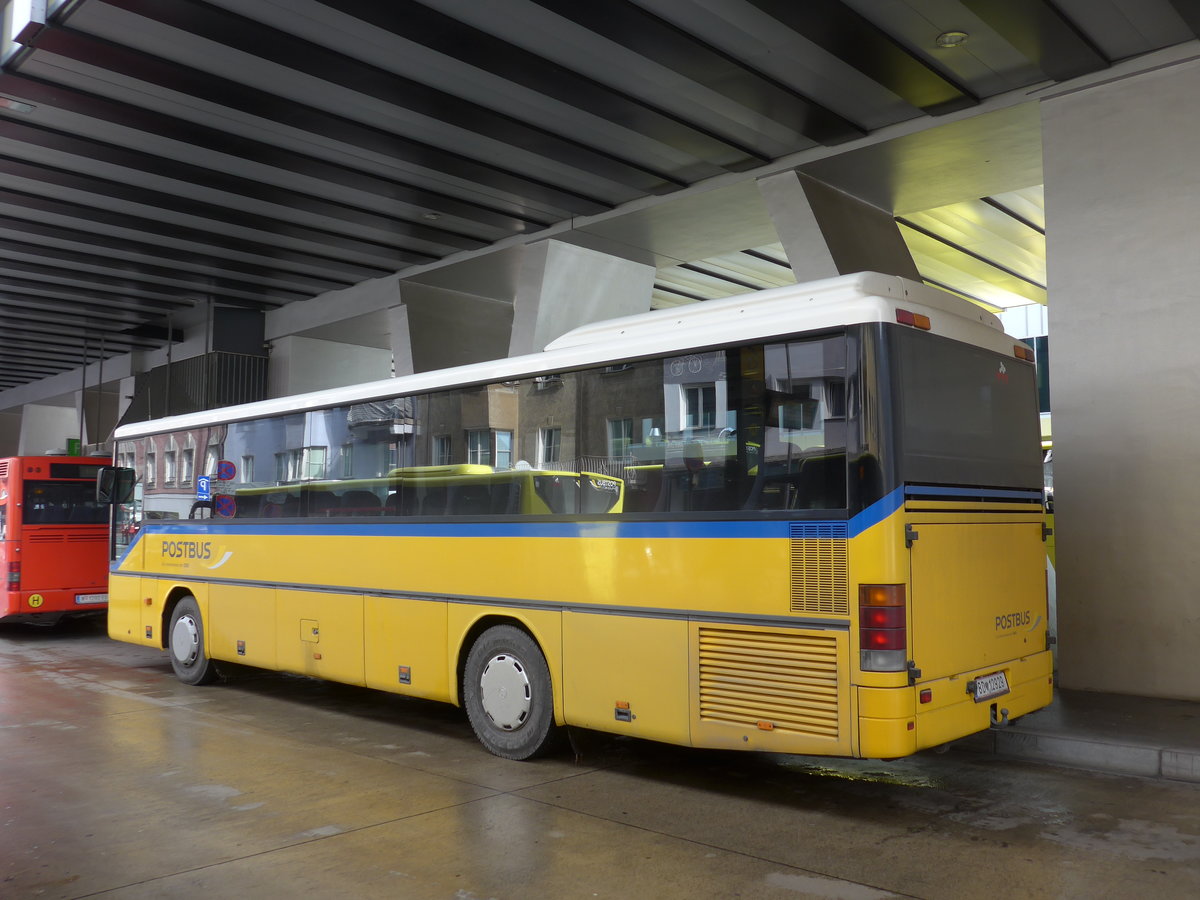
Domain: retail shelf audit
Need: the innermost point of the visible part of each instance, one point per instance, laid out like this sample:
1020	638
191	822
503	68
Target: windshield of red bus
62	503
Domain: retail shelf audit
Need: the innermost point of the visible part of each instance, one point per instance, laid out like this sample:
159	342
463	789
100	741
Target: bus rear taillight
14	575
882	628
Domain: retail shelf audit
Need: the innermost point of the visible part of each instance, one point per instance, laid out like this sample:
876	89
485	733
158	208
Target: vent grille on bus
87	538
819	579
787	678
4	469
35	537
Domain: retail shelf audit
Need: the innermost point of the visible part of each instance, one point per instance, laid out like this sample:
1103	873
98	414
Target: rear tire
508	695
185	644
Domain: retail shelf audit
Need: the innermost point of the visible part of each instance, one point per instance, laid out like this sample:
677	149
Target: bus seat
290	507
822	482
470	500
432	501
320	503
361	503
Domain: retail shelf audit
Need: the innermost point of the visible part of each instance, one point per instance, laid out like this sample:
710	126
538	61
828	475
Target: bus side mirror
114	485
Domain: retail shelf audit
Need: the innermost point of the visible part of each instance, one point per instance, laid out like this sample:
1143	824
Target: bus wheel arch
472	634
506	689
183	638
176	594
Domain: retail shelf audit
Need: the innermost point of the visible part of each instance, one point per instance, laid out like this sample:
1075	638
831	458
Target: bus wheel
506	690
186	632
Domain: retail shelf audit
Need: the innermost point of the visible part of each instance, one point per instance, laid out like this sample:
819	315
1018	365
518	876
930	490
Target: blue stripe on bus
734	528
477	529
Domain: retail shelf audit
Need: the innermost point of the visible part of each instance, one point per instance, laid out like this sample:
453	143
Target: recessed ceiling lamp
15	105
951	38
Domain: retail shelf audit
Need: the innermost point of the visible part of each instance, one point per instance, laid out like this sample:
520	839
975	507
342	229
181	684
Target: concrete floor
117	781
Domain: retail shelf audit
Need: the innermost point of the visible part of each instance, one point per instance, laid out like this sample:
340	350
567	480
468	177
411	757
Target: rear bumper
31	604
893	722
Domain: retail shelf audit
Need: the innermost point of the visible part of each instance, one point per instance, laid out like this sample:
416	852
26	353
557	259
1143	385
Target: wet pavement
116	781
1148	736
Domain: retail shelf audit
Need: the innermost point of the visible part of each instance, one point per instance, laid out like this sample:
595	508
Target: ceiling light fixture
951	38
15	105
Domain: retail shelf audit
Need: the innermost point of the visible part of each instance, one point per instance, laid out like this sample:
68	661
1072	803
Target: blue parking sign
204	488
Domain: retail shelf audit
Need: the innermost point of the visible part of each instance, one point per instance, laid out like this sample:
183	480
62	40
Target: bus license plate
86	599
989	686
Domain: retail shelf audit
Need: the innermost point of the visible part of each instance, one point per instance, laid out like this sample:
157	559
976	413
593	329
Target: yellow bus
814	525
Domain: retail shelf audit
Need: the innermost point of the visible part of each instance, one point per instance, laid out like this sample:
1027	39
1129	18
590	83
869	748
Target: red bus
53	538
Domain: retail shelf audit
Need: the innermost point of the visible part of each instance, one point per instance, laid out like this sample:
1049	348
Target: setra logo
185	550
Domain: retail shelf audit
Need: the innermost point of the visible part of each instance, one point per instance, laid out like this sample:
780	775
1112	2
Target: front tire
507	692
186	644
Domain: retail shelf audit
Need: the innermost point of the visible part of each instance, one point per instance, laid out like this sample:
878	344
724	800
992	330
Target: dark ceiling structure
160	155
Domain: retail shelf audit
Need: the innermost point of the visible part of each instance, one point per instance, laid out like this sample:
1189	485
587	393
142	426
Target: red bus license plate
84	599
989	686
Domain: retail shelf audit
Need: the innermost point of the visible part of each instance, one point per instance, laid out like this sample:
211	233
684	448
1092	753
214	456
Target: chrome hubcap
185	640
505	692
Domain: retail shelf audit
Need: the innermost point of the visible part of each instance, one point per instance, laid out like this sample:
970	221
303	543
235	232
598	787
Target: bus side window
506	498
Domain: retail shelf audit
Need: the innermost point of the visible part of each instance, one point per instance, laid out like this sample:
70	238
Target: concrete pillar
1121	198
300	364
99	405
562	286
826	232
401	335
125	391
46	428
10	433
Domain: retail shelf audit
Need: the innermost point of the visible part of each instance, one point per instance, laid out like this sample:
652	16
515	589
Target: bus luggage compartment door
978	596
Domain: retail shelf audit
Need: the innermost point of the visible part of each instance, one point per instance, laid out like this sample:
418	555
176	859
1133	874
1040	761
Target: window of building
620	436
442	453
247	469
169	467
151	468
699	406
212	456
189	464
549	448
504	448
314	463
479	447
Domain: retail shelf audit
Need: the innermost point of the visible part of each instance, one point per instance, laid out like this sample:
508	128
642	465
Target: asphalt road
117	781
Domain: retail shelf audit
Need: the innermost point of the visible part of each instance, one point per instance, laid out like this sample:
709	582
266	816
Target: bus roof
761	315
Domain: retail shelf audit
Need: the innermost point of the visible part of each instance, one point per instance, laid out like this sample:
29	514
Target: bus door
978	595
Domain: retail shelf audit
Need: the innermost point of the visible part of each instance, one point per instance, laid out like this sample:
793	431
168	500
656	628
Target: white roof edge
844	300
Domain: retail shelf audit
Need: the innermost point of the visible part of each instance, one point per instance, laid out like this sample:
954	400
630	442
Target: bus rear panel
53	538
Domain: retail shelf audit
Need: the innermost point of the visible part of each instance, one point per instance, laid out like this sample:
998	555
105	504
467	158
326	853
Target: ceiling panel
161	156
